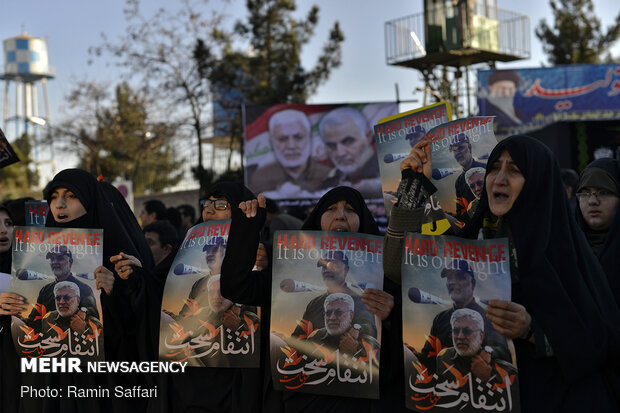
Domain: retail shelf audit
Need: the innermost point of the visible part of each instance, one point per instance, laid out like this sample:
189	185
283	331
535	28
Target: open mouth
4	240
62	217
500	196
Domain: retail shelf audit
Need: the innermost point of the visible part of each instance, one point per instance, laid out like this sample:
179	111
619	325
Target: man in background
188	216
291	139
349	140
153	210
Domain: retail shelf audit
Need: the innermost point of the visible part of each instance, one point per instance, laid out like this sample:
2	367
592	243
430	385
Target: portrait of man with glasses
461	149
467	354
61	261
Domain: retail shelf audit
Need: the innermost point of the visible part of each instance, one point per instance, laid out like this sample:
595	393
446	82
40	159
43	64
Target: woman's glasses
598	195
219	204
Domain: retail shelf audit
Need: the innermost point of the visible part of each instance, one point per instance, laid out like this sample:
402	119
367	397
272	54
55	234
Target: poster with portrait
454	359
53	269
524	100
36	213
323	338
460	150
197	324
396	135
7	154
294	153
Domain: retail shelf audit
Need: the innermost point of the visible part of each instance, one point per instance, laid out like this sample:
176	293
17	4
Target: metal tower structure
453	35
26	65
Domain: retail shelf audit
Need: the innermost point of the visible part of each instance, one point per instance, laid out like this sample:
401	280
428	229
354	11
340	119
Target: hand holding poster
454	359
396	135
323	338
53	269
198	325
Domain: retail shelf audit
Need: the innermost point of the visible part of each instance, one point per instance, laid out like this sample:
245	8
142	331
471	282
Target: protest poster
396	135
7	154
460	150
36	213
454	360
323	338
296	151
53	269
198	325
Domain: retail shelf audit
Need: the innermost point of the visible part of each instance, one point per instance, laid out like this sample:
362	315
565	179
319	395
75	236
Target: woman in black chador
599	215
77	200
562	316
340	209
9	361
209	389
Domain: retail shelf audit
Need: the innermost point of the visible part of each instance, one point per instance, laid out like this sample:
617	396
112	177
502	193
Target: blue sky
72	26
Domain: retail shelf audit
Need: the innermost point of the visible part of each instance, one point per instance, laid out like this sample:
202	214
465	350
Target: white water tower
26	64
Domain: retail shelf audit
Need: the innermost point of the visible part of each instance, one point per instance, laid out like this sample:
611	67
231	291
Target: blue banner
529	99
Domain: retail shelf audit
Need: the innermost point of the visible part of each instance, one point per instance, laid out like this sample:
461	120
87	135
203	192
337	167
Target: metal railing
491	29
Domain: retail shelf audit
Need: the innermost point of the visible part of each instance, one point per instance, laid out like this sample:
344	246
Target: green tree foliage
18	179
157	50
259	63
116	139
576	35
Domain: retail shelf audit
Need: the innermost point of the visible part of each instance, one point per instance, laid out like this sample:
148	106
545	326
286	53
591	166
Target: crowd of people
563	316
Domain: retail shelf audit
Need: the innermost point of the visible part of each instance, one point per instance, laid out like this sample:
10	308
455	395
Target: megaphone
293	286
422	297
24	274
393	157
439	173
182	269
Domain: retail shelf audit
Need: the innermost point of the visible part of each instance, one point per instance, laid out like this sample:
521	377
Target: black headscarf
560	281
234	192
122	341
5	257
609	253
353	198
129	222
100	213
